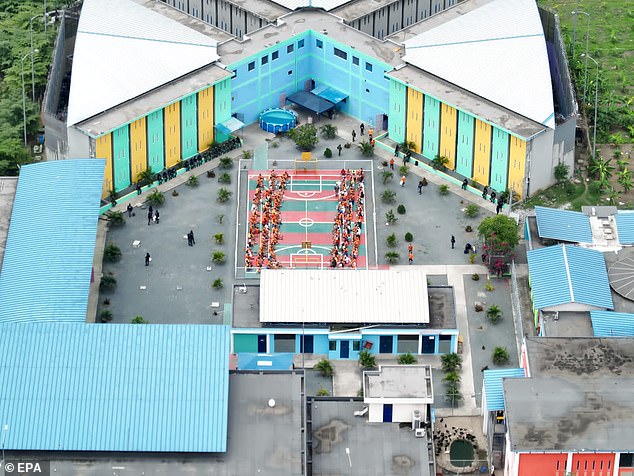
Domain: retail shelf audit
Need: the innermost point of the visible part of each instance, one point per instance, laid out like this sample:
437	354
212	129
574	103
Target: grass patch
577	195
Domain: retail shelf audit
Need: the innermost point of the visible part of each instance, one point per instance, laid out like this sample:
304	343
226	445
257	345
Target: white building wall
400	412
78	144
375	413
541	163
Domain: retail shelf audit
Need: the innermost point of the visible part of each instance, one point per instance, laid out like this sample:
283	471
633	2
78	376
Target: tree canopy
499	229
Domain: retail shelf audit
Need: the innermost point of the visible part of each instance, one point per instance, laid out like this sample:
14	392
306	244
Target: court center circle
306	222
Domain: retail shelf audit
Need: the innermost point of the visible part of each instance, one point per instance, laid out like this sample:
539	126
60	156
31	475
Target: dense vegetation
14	46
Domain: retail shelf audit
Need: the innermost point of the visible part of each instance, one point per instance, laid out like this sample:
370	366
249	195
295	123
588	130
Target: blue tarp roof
248	361
49	253
625	226
563	225
568	274
331	94
230	125
612	324
493	386
115	387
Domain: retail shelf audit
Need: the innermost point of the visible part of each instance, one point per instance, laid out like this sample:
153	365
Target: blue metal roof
494	389
331	94
625	227
114	387
563	225
612	324
248	361
568	274
49	253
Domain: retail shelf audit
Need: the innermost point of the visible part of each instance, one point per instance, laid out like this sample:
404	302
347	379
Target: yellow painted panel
517	165
138	146
103	146
414	125
205	118
448	131
482	152
172	118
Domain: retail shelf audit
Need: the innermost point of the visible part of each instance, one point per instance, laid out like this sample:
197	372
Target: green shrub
217	284
107	283
328	131
322	392
192	181
220	238
328	153
403	170
386	176
392	257
391	240
500	356
443	189
304	136
112	253
325	367
409	237
388	196
247	154
439	162
366	149
139	320
453	393
475	276
224	178
406	359
145	177
489	286
224	195
366	359
451	377
400	209
226	162
218	257
494	313
115	218
472	258
105	315
472	210
390	218
156	198
451	362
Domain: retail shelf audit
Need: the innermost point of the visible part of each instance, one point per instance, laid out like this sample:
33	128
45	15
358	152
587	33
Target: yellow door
414	126
103	147
172	117
448	131
138	146
482	152
517	165
205	118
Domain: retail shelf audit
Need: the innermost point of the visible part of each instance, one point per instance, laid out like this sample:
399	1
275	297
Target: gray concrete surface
8	186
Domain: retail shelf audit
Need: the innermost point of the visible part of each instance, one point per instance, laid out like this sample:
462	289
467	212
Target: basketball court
306	216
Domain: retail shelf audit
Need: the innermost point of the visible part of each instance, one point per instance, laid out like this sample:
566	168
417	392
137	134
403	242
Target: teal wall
464	151
189	126
499	159
121	157
431	127
155	141
222	106
398	109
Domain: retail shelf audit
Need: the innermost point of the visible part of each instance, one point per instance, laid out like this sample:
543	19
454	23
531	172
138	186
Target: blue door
387	412
262	344
344	349
386	344
306	344
429	345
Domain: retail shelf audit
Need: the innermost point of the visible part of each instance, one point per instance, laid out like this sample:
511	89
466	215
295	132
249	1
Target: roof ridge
145	39
467	42
572	293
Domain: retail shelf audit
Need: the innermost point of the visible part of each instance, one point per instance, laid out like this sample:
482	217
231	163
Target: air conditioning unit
417	420
419	433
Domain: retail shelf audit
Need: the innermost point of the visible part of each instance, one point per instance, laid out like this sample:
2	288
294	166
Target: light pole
32	66
585	76
596	105
23	92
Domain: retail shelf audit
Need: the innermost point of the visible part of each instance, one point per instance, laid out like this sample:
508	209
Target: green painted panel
396	122
431	127
121	157
155	141
189	129
464	151
222	106
245	343
499	159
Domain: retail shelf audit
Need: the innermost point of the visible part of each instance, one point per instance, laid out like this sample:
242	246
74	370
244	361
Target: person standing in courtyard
403	179
149	217
156	217
129	211
362	128
498	208
410	248
392	163
396	150
485	190
148	258
138	188
411	257
465	182
493	195
420	187
354	135
453	241
339	149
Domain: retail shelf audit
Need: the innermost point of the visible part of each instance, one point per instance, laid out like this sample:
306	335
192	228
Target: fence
517	308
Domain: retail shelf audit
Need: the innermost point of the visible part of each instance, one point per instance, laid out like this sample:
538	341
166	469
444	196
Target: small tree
112	253
192	181
304	136
390	219
451	362
391	240
220	238
115	218
386	176
494	313
406	359
401	209
561	172
367	360
452	377
392	257
500	236
156	198
218	257
409	237
224	195
328	131
439	162
224	178
388	196
328	153
107	283
325	367
322	392
403	170
625	179
453	394
139	320
145	177
443	189
105	315
472	210
366	149
217	284
226	162
500	356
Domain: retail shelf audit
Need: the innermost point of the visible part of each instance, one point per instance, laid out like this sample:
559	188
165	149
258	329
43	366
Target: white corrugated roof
344	296
497	51
325	4
123	50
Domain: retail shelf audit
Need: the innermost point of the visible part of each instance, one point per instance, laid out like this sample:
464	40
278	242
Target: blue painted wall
155	141
464	151
431	127
189	126
261	80
222	106
499	159
396	124
121	157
